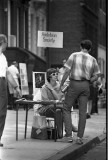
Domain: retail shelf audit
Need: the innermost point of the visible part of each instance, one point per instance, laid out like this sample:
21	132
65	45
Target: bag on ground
39	127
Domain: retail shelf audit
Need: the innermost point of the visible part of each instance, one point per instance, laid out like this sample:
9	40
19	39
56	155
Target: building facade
15	24
102	37
21	20
36	22
78	20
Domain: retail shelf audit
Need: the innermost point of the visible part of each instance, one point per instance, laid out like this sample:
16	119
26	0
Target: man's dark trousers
3	103
77	90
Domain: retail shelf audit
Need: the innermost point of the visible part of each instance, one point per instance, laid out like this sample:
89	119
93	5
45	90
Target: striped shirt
82	65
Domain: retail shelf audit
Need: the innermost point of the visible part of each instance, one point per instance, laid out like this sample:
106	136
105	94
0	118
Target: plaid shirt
82	65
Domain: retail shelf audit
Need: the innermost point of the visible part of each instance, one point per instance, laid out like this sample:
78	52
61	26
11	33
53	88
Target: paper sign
23	79
39	79
50	39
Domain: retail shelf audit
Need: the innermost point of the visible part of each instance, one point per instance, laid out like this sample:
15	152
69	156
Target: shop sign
50	39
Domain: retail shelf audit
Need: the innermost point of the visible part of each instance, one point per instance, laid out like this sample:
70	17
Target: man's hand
94	78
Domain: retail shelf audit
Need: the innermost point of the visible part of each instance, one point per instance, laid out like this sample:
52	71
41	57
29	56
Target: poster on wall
23	79
39	79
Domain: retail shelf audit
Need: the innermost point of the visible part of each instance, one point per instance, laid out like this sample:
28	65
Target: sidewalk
33	149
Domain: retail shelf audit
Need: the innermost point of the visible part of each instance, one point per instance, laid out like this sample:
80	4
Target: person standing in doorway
4	76
13	69
83	70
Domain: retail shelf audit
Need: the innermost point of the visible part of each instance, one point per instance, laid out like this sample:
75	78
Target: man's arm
66	74
96	72
94	78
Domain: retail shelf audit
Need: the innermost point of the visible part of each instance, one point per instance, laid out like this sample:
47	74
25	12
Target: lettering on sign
50	39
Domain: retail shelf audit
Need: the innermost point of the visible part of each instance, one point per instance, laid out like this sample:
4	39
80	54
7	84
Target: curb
74	151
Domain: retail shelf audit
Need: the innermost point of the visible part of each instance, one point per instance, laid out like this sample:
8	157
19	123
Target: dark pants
95	101
49	112
3	103
77	90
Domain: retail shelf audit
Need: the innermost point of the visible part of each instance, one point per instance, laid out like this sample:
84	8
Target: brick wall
65	16
69	17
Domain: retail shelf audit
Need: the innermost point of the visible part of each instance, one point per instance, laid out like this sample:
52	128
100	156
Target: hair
49	72
86	44
3	39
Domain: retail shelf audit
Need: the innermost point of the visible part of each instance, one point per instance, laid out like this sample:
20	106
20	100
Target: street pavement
96	153
34	149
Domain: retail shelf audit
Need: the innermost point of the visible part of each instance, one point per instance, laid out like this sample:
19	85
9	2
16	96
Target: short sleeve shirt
82	65
14	71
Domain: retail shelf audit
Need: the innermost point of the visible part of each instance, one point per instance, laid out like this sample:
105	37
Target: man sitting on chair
50	91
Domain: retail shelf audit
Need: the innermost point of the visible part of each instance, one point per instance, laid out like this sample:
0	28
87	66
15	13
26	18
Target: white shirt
14	71
3	65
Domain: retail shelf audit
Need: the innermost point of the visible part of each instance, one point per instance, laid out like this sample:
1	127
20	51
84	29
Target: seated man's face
54	76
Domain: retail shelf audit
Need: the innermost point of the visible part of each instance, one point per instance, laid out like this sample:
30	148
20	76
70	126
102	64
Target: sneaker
67	139
79	141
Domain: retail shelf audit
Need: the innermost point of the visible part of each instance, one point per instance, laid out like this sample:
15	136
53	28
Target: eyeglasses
54	74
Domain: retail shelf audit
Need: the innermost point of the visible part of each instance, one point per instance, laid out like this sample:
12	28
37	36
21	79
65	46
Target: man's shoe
79	141
1	144
67	139
74	129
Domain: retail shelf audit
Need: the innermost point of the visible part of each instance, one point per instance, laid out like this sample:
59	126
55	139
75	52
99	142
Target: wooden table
28	104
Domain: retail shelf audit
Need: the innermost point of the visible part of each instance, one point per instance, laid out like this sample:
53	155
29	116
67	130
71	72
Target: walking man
83	69
4	74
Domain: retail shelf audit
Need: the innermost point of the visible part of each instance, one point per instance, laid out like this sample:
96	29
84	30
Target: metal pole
47	28
16	121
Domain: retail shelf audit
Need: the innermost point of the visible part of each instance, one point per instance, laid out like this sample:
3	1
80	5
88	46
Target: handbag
39	128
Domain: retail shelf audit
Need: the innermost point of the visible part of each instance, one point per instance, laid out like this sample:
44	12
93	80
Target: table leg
16	121
55	132
62	121
26	121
